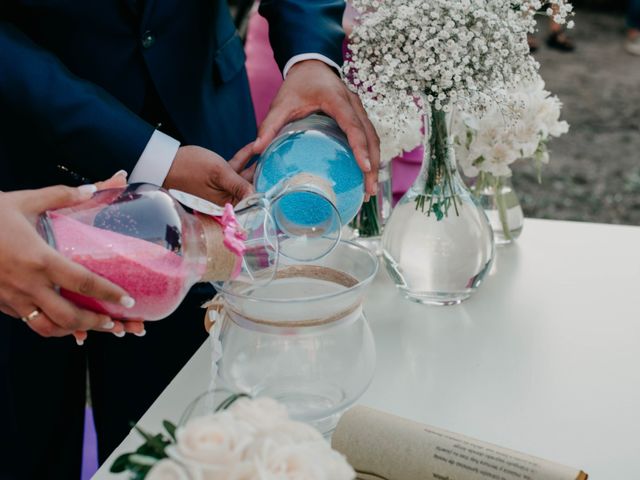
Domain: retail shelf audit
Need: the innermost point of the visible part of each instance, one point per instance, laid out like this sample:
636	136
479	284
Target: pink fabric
404	170
265	80
234	236
264	75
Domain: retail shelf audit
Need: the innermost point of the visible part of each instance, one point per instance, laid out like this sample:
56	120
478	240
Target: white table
544	359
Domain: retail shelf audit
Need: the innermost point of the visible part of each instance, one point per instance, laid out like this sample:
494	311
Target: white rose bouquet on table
244	439
445	53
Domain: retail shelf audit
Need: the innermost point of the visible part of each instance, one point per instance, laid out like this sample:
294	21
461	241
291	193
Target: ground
594	173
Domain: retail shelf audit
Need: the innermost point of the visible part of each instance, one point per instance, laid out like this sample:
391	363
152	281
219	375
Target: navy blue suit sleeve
304	26
93	131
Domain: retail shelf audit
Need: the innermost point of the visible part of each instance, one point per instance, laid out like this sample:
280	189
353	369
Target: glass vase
438	244
302	339
366	228
501	204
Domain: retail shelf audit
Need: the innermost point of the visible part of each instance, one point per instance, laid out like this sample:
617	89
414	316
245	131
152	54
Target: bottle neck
221	263
438	164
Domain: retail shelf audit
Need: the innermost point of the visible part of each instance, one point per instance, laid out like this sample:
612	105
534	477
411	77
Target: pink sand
154	276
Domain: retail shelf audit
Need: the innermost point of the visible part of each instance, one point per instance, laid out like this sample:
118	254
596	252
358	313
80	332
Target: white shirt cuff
156	159
308	56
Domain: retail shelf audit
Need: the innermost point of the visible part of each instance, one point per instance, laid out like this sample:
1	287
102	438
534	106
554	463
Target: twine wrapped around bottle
217	308
221	262
313	181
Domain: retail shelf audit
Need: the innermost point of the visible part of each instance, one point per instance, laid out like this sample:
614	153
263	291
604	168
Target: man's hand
312	86
30	270
207	175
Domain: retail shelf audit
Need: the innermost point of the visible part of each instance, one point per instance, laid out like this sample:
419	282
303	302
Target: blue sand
319	154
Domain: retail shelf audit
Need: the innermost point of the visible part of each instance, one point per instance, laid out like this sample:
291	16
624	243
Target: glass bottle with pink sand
140	238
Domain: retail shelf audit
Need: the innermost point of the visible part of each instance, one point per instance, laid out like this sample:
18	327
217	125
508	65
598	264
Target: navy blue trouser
42	389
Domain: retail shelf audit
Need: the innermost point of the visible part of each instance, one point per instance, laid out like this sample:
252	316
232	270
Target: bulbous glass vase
301	339
502	206
438	244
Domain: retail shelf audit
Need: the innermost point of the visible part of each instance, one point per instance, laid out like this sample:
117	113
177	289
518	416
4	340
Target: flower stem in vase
439	175
502	208
366	222
500	202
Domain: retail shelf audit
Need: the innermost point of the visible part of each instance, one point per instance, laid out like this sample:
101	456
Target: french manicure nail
122	173
120	334
88	189
79	342
127	302
108	325
140	334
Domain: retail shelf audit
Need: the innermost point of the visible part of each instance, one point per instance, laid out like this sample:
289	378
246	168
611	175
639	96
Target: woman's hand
30	270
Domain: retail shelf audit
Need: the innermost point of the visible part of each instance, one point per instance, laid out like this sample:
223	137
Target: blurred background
594	171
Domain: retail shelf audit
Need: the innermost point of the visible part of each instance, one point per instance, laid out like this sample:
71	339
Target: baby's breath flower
463	52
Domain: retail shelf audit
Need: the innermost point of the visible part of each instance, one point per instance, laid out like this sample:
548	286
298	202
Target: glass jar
140	238
302	339
502	206
313	152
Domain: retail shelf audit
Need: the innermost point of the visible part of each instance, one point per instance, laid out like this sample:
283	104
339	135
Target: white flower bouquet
488	144
436	54
245	439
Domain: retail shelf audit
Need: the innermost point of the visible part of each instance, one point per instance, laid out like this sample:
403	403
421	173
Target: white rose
218	439
301	461
246	470
261	413
167	469
296	432
284	433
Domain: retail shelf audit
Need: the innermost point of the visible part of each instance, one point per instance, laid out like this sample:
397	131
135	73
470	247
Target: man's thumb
237	186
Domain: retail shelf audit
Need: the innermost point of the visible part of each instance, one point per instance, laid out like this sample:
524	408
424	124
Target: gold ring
31	316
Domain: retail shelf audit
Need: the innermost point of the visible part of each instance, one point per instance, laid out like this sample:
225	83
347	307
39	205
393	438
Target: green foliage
439	175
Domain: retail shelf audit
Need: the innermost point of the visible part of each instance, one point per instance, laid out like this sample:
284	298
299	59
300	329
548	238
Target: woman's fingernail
108	325
367	165
127	302
88	189
140	334
79	342
121	173
120	334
